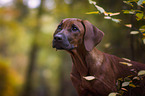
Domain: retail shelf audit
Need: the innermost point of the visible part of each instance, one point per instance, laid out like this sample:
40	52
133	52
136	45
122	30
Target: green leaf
142	28
127	79
116	20
124	84
142	72
143	40
96	12
92	2
100	9
107	17
140	2
139	16
113	94
128	11
134	32
128	2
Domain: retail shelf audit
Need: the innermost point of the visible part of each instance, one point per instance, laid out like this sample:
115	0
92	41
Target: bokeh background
29	66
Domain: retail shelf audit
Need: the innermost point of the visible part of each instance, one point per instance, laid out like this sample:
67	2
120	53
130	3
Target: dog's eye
59	27
74	28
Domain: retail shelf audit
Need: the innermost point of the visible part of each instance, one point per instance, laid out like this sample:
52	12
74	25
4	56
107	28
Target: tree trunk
28	87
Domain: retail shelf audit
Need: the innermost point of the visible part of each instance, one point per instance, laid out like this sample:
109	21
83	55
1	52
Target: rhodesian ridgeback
94	73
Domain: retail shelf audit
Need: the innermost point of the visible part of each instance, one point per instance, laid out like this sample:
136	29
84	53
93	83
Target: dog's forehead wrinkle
70	23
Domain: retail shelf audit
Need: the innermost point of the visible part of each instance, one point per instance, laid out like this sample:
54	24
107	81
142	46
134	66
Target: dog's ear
92	35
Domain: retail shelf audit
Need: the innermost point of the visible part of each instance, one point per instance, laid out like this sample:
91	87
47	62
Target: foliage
123	84
10	81
137	7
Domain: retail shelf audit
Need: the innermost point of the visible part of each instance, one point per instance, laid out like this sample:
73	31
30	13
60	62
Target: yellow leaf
111	14
126	59
89	78
142	28
124	89
128	25
132	85
97	12
126	63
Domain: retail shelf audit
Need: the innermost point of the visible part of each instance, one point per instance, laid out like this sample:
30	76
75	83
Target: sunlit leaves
111	14
140	2
128	25
126	63
142	72
100	9
128	11
124	89
96	12
127	59
142	28
129	3
124	84
116	20
107	15
143	40
132	85
139	16
134	32
113	94
92	2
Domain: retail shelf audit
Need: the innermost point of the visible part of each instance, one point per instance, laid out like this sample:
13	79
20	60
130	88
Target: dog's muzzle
61	42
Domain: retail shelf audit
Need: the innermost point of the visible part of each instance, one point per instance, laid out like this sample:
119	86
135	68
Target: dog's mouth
62	43
62	46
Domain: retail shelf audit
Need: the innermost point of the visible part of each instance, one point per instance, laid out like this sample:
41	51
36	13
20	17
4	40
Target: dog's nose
58	37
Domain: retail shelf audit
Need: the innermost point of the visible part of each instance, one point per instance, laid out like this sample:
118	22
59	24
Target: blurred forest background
29	66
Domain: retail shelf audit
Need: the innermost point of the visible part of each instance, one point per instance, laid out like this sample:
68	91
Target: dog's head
72	33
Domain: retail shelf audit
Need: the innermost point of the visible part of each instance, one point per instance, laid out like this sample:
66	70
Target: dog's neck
82	59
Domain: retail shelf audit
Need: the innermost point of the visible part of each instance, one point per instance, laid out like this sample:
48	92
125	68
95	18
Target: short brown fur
88	61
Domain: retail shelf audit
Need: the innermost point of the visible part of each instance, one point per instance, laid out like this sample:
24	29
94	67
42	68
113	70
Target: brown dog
79	38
